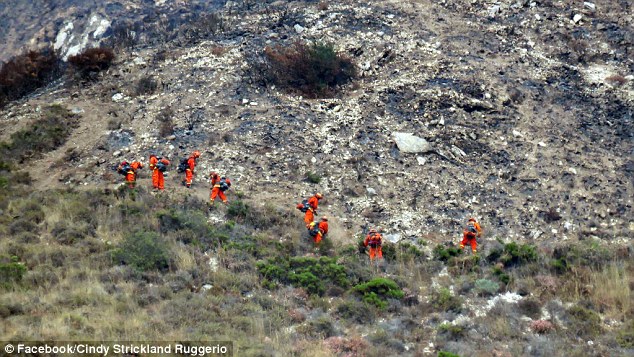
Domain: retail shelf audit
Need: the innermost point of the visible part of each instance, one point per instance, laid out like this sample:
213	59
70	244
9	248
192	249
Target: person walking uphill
158	165
318	230
218	187
130	176
311	208
189	171
470	235
374	239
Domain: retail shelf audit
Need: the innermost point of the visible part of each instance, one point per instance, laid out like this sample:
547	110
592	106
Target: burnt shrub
146	85
27	72
166	123
45	134
92	61
314	70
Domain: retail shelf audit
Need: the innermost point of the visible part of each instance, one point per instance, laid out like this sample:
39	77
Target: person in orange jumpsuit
374	239
189	171
318	231
469	235
158	179
130	176
313	202
218	187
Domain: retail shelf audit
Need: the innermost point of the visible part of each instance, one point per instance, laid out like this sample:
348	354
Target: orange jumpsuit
322	230
130	176
215	189
470	238
158	180
374	240
312	210
189	171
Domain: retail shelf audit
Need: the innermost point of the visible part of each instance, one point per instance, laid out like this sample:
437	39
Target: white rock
371	191
421	160
171	137
207	287
409	143
393	238
541	144
77	110
493	10
537	17
337	108
139	61
245	101
517	134
313	159
590	5
577	18
441	121
572	170
117	97
116	153
253	103
567	226
298	28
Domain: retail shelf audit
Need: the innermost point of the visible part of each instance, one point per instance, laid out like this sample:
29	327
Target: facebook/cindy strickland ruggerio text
224	348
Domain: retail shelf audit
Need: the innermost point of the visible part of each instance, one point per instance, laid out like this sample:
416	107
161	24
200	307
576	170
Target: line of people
316	229
159	166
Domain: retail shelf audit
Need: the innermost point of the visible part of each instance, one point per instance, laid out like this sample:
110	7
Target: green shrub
584	322
92	61
354	311
70	233
27	72
501	275
447	354
376	291
314	70
625	336
45	134
443	300
444	253
237	210
313	177
486	287
512	254
11	271
313	274
453	331
144	251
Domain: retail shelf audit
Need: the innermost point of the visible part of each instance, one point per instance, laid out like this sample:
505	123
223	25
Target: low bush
314	70
513	254
144	251
354	311
312	177
541	326
146	85
313	274
166	122
625	335
444	253
530	307
443	300
11	271
27	72
45	134
93	60
584	322
454	332
486	287
320	327
447	354
378	290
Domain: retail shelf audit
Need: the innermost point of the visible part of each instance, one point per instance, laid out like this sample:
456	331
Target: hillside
526	107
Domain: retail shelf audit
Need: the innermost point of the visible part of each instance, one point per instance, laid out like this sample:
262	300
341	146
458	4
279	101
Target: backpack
303	207
471	230
375	240
224	186
123	168
161	166
313	229
182	166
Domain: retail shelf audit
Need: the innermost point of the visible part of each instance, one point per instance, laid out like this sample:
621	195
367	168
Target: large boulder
407	142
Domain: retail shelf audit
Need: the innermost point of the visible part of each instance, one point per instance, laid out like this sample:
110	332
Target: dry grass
612	290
